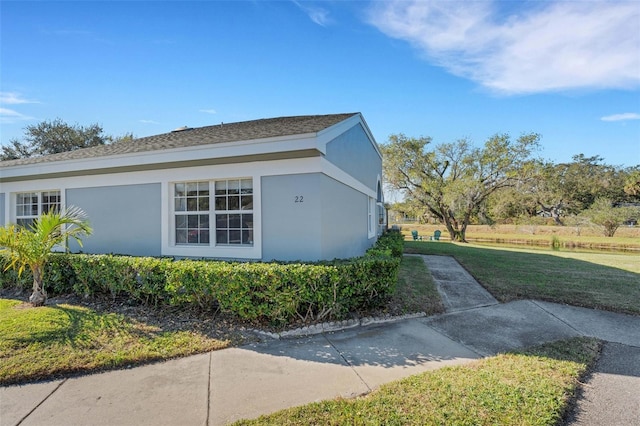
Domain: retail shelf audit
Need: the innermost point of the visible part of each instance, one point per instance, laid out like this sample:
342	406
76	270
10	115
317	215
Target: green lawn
528	388
416	291
596	280
58	340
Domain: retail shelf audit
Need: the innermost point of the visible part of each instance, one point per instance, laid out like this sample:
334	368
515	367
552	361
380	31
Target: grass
60	340
416	291
595	280
534	387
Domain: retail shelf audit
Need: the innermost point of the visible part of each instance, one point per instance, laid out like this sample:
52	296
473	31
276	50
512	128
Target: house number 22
298	199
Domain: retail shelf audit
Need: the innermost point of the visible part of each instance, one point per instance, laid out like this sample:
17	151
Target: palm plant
32	246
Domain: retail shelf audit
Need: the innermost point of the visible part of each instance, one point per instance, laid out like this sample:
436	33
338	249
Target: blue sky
569	70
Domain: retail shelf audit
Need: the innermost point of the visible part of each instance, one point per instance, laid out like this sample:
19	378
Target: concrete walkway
222	386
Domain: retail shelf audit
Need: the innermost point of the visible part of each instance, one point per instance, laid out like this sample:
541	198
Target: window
191	201
382	218
234	212
371	217
231	213
30	205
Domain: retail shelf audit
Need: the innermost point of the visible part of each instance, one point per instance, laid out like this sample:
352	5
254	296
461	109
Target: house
288	188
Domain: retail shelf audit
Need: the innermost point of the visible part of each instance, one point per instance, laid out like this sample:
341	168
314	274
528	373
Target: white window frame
381	217
18	217
197	211
245	232
213	247
371	218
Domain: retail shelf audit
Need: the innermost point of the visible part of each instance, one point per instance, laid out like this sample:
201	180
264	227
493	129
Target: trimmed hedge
273	292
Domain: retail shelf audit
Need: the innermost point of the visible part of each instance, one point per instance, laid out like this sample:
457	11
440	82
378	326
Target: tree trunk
38	297
610	229
462	234
554	211
455	233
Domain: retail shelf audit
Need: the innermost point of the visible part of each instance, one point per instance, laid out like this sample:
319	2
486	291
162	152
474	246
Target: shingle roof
219	133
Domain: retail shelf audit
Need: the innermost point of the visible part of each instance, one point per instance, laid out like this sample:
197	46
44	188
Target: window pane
192	189
192	237
180	190
233	186
204	221
181	204
246	186
247	221
222	221
247	202
221	237
247	237
221	187
203	188
192	204
204	237
203	204
192	221
234	237
234	221
181	236
46	208
181	221
221	203
234	203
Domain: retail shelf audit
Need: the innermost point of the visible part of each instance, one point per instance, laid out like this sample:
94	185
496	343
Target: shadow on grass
513	275
82	328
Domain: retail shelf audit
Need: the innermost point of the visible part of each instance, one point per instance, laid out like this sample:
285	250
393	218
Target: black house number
299	199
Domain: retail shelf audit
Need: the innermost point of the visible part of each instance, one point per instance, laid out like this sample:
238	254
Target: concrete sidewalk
219	387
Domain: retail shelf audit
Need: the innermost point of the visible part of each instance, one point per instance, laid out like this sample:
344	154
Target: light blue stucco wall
353	152
125	219
343	221
2	219
330	221
291	230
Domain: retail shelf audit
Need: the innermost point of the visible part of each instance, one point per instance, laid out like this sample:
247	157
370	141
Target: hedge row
274	292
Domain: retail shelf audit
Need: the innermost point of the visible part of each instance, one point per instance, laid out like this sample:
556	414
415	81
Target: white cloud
209	111
540	47
14	98
8	116
621	117
148	122
317	14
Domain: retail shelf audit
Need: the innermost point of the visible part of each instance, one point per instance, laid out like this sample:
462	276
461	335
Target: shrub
391	240
278	293
9	278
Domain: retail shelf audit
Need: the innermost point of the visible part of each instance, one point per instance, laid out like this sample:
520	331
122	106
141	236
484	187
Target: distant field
626	238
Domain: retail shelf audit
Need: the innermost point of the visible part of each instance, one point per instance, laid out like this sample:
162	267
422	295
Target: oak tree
452	180
52	137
